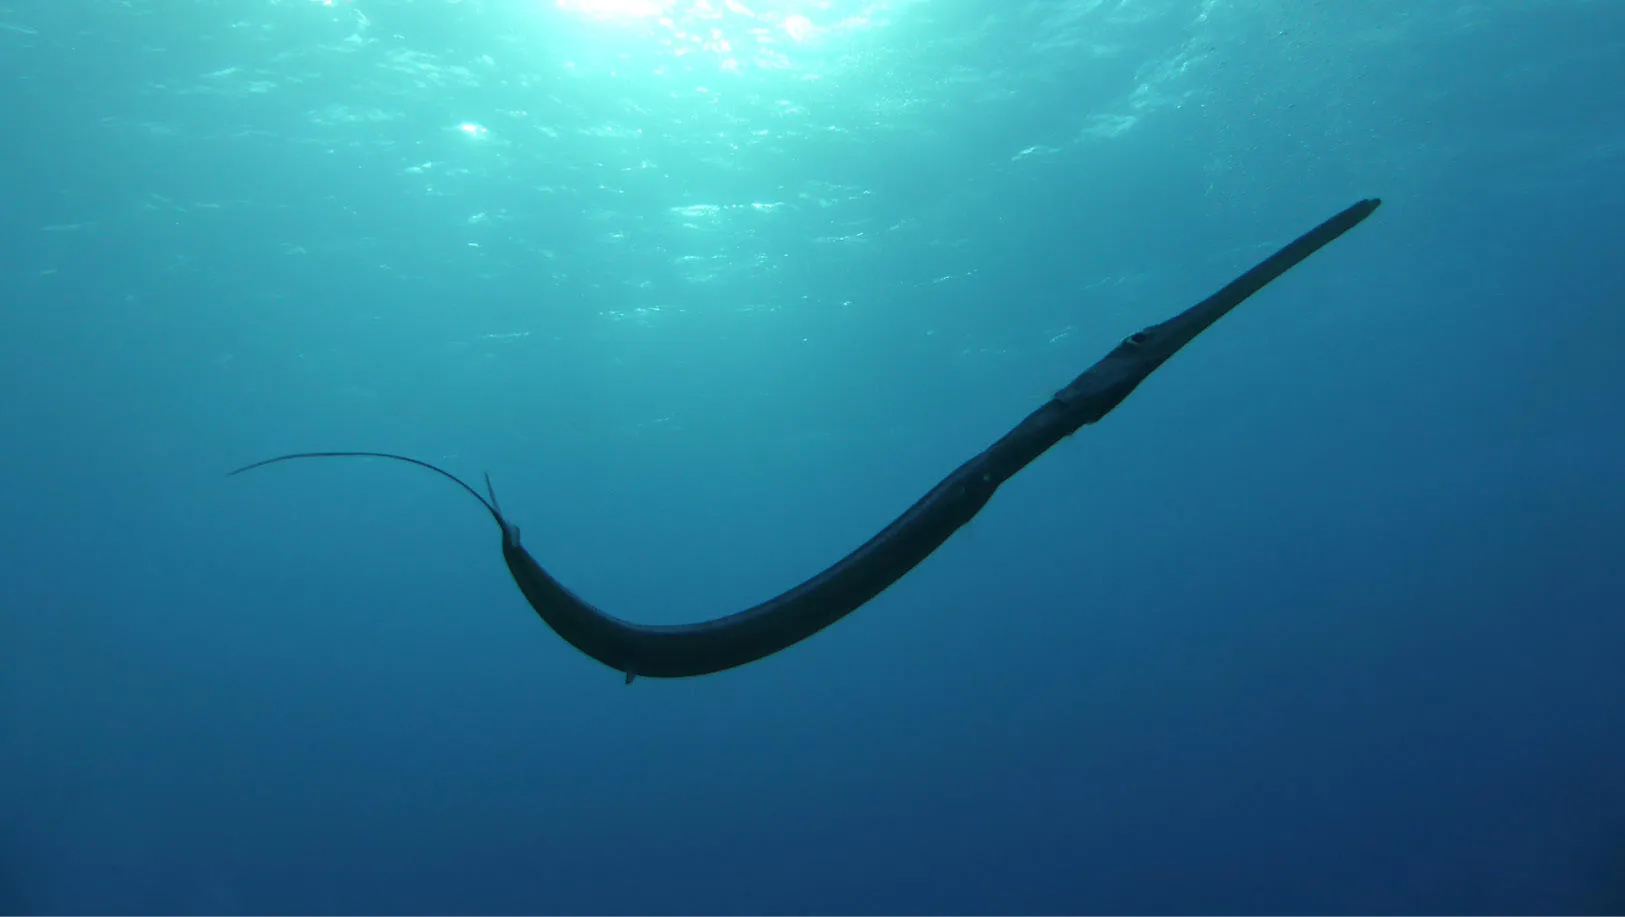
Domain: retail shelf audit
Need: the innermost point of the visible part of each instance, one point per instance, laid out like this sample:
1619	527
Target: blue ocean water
1327	617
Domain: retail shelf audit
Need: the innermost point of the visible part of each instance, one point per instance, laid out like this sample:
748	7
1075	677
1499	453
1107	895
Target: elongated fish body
683	650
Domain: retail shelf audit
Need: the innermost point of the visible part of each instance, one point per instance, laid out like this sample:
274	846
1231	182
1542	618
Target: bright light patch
797	27
471	129
734	35
616	9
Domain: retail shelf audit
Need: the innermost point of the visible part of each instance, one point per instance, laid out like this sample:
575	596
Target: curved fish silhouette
681	650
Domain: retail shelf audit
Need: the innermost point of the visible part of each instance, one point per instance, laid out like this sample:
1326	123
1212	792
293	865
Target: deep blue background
1328	617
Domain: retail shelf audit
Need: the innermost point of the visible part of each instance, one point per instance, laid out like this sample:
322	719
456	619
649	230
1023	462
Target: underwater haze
1328	616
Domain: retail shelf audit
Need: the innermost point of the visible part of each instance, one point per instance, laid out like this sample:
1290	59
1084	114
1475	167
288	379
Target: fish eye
1137	338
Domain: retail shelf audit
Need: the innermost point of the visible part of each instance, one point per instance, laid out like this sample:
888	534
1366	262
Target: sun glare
798	27
736	36
616	9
